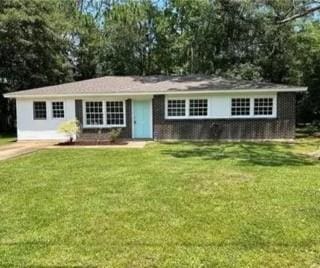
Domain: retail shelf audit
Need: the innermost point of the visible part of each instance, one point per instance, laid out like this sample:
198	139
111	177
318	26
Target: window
220	106
94	113
104	113
263	106
176	108
40	110
198	107
240	107
115	113
57	109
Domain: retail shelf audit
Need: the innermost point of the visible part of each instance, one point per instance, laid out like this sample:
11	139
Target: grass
6	139
168	205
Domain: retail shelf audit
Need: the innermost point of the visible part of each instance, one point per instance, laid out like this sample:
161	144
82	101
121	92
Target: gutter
234	91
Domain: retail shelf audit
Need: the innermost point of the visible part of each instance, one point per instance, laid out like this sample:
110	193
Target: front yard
168	205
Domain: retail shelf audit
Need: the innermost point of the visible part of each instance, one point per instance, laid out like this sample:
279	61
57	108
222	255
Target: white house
160	107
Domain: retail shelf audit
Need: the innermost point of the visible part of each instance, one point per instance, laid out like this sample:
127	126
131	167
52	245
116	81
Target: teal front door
142	119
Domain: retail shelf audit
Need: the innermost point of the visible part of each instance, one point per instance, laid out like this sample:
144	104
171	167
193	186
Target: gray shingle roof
150	85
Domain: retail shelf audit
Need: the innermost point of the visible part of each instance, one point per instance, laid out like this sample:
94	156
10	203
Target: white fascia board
177	92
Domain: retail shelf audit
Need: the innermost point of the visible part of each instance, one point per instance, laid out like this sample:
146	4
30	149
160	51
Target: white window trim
241	116
228	116
274	107
47	111
252	115
187	99
85	114
104	114
51	110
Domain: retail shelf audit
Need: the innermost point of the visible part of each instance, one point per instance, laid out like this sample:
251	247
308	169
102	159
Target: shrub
114	134
70	129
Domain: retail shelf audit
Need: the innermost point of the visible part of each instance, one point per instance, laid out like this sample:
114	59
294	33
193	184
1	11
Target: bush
70	129
114	134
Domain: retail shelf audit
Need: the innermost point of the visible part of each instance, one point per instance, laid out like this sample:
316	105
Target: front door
142	119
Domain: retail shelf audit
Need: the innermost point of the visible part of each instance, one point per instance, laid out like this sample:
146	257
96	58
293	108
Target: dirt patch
93	142
95	145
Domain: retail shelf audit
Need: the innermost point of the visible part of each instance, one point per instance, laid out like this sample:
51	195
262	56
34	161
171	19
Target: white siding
219	105
30	129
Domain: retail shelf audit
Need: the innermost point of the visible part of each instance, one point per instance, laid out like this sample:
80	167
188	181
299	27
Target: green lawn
168	205
6	139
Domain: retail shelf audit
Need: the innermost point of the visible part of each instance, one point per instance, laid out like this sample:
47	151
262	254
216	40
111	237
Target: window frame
63	109
34	110
245	115
228	110
104	113
85	114
198	116
187	107
274	107
124	114
252	98
176	116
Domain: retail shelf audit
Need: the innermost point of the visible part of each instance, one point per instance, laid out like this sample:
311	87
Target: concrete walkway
25	147
20	148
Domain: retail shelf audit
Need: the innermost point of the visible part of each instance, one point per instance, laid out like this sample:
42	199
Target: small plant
70	129
114	134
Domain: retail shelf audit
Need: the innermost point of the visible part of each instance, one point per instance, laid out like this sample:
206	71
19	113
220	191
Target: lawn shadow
7	138
250	153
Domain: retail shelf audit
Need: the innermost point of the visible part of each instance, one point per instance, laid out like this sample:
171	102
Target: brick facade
282	127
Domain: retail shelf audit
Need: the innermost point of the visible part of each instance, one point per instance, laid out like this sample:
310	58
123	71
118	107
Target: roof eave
177	92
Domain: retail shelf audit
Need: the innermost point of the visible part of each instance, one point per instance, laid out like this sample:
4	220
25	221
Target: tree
45	42
305	70
299	9
86	48
33	50
129	38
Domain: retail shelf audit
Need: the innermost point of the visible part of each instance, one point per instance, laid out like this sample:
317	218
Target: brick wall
282	127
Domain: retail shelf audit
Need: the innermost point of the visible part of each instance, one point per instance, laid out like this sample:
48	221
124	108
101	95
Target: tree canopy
45	42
